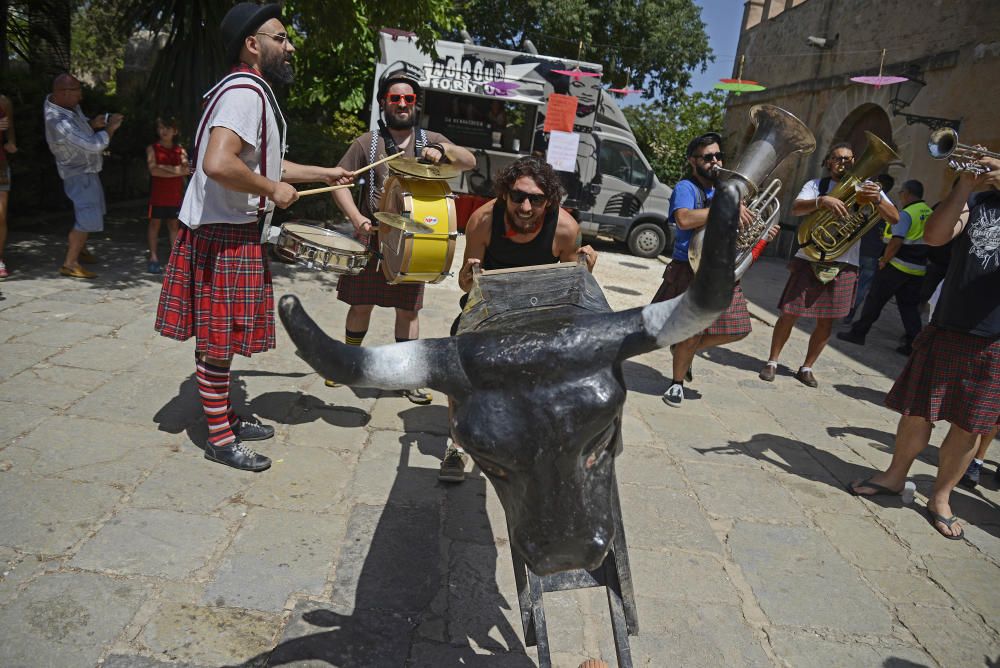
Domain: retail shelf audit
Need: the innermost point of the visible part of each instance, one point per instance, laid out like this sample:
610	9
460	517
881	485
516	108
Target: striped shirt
78	149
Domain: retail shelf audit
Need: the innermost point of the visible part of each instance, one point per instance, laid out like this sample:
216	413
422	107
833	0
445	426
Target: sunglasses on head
708	157
536	199
396	98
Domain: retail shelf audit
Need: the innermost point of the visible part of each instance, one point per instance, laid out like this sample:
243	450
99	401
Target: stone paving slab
745	549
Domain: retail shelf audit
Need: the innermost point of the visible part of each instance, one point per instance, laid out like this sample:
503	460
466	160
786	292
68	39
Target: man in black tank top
522	227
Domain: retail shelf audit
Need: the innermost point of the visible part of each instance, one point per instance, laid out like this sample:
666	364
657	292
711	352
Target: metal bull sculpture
538	404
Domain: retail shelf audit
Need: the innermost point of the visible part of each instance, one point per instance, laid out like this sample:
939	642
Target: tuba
778	134
824	238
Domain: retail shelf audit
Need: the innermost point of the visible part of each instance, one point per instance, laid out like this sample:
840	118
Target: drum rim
356	246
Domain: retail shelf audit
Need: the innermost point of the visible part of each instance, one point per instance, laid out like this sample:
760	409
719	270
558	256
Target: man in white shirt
217	285
822	291
78	145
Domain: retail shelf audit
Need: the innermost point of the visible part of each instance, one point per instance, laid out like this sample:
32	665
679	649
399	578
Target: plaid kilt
676	279
217	288
805	296
735	320
370	287
950	376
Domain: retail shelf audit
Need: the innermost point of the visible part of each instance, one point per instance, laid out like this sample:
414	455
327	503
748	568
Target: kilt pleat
950	376
370	288
804	295
735	320
217	288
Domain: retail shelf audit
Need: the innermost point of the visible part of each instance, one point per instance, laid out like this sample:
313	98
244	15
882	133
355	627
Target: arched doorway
868	117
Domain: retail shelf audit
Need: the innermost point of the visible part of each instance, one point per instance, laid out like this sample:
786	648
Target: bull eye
492	471
604	443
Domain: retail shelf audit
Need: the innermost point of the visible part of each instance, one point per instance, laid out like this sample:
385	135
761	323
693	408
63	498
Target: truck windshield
623	162
480	123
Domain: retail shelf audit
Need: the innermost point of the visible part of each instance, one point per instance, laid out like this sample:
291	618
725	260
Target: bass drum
418	258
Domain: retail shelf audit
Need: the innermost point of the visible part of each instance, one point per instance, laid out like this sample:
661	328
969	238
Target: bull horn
430	363
711	291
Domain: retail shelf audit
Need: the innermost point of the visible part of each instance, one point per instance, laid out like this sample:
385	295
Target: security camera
822	42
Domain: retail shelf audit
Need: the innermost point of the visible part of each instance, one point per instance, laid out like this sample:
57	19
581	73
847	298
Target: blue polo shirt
687	195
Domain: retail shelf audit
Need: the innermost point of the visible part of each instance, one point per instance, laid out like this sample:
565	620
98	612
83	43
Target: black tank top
502	253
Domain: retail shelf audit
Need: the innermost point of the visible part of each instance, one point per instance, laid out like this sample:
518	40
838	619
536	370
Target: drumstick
374	164
316	191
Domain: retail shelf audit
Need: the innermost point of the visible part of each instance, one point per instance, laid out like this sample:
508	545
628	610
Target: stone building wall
953	45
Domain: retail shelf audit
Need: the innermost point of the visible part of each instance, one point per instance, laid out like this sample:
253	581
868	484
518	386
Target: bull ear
711	291
430	363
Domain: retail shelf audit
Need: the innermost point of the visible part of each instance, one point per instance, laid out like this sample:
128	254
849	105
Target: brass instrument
824	238
943	143
777	135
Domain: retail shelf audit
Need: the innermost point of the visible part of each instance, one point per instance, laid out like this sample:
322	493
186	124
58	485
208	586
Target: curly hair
540	171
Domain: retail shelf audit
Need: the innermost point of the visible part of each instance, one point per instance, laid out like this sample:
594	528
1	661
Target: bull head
538	407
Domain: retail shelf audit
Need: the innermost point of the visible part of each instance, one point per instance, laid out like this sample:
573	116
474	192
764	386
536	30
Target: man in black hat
217	285
689	205
398	92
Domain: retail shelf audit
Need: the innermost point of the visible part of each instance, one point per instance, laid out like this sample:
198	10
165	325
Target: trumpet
777	135
943	144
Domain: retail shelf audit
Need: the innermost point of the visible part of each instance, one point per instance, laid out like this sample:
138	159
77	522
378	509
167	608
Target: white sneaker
674	395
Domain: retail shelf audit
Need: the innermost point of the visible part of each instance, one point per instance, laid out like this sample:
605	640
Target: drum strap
266	99
420	141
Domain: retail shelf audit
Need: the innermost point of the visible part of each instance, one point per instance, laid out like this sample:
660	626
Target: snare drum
418	258
320	248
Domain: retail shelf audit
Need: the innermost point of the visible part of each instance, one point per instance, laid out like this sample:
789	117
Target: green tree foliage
663	131
649	44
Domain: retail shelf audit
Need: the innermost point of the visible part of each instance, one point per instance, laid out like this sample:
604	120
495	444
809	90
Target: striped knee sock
213	388
354	338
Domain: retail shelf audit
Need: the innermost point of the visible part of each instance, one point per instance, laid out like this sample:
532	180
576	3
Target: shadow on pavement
869	394
415	575
644	379
783	453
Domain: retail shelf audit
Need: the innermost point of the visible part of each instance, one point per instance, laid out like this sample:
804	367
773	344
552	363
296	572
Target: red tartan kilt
735	320
370	288
950	376
805	296
217	288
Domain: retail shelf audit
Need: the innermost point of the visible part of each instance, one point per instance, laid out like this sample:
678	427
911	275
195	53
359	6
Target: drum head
320	236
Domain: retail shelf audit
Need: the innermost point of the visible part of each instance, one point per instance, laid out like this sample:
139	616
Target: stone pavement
121	546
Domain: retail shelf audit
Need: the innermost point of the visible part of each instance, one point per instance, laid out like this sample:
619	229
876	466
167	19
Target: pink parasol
879	80
501	87
625	91
577	73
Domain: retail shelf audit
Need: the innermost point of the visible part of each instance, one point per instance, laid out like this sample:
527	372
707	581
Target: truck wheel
647	240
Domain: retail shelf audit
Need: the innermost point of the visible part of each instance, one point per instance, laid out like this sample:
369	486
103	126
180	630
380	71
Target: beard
708	173
275	69
524	224
397	123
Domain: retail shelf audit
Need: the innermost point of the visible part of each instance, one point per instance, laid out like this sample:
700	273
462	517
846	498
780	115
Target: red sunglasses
396	98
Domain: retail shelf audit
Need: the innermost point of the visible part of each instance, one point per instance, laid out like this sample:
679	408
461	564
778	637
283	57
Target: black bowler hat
243	20
703	140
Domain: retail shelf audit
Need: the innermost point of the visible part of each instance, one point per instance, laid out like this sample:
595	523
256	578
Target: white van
493	101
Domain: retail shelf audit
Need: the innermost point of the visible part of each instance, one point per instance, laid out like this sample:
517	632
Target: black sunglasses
708	157
518	197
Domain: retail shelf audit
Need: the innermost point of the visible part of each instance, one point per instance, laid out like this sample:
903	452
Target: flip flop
880	490
947	521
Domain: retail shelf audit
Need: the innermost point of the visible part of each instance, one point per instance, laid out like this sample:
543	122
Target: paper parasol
501	87
739	84
625	91
879	80
577	73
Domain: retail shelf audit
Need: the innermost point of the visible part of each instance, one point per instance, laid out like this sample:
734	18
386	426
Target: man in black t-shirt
524	226
954	371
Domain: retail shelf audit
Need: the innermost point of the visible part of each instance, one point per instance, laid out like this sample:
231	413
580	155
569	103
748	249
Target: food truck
493	102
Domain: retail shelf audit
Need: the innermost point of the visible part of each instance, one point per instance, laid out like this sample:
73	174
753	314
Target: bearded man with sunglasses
524	226
825	292
397	96
689	205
